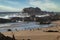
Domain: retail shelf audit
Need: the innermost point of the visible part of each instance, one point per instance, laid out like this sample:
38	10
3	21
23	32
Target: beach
37	34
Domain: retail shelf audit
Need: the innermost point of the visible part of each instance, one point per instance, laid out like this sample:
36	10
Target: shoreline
27	26
40	33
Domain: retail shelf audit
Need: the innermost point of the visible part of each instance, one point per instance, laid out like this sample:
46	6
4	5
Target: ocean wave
5	25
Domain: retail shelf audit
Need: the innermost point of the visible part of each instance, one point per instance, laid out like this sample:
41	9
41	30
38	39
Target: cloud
45	5
8	5
8	8
12	2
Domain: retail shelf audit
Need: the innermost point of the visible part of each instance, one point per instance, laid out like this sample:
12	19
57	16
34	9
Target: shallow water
21	26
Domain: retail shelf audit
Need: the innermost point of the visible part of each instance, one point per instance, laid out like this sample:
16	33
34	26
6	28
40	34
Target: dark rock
4	20
9	30
32	10
3	37
52	31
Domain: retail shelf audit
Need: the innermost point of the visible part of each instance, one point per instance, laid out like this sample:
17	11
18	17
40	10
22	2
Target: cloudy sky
18	5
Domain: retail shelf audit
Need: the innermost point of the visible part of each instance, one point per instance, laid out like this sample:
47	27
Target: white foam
3	25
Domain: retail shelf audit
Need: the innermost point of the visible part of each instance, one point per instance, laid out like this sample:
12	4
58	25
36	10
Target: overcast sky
18	5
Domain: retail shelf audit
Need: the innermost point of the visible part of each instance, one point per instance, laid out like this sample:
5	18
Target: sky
18	5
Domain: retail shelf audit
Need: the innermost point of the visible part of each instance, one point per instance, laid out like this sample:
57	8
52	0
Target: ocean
20	25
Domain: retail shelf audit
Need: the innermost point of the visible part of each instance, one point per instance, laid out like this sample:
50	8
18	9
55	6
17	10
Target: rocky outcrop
32	10
4	20
15	19
42	20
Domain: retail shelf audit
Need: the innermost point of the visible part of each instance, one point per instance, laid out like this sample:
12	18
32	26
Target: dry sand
37	34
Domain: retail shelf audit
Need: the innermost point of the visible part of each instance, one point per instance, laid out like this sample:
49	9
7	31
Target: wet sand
37	34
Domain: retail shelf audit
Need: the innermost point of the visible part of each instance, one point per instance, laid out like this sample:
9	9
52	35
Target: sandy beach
37	34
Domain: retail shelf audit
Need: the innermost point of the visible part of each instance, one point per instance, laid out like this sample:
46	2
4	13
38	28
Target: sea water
20	25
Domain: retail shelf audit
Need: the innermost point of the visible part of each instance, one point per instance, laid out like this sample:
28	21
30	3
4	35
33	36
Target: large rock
32	10
4	20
